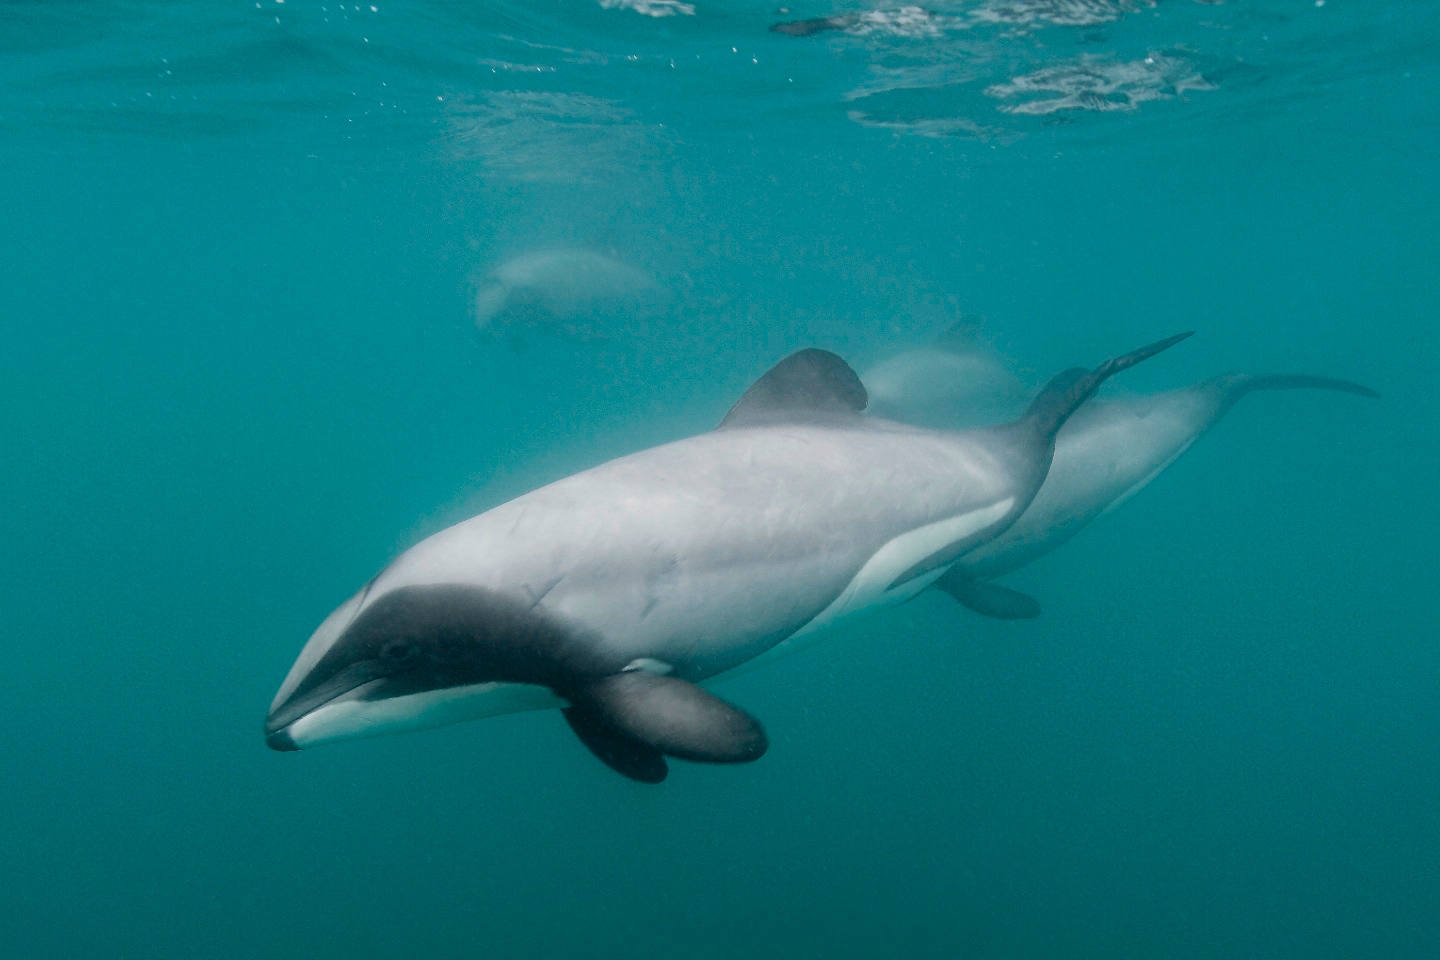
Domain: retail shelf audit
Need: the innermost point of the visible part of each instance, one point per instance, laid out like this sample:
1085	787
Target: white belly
871	588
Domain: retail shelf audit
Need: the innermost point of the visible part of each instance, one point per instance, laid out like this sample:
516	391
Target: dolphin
1104	455
955	382
570	292
613	593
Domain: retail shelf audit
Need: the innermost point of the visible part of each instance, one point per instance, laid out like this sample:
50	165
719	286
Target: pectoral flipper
625	756
630	719
986	598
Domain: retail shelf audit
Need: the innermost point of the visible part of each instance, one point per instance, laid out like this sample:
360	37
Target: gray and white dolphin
569	292
1104	455
612	593
956	382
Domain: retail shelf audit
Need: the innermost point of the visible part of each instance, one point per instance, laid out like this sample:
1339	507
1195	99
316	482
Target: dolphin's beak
350	682
281	740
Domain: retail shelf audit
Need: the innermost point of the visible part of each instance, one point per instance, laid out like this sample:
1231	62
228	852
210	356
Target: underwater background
241	370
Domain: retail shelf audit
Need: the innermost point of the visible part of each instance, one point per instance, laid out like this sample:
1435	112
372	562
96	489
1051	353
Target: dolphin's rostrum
613	593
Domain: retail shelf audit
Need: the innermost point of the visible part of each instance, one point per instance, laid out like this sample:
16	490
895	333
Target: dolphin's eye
399	652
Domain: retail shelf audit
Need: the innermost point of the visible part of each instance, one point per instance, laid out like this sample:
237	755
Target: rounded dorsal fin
807	385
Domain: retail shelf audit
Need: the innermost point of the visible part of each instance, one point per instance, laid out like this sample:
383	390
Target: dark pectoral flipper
672	716
988	599
625	756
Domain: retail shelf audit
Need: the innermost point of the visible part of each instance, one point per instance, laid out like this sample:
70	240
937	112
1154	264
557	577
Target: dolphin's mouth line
352	680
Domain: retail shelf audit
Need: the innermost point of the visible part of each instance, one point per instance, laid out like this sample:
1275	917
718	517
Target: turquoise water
241	371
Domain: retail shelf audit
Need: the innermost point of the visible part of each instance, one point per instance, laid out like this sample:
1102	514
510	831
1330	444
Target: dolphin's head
419	656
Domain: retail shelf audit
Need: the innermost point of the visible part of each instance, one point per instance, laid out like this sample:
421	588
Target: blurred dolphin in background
569	292
956	382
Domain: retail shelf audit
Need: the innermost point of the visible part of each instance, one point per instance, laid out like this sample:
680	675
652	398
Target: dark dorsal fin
806	386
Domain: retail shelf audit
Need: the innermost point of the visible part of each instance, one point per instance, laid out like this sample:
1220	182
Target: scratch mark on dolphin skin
670	571
537	597
519	519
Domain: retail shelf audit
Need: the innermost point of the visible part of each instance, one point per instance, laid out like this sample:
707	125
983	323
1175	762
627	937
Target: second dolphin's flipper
988	599
671	716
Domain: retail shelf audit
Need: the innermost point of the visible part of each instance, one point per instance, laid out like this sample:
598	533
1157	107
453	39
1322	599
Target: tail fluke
1031	442
1066	391
1231	388
1293	381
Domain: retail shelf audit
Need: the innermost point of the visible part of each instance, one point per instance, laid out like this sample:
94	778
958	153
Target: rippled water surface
269	323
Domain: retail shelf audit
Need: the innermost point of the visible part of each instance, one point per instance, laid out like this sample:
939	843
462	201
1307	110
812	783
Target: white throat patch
351	719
